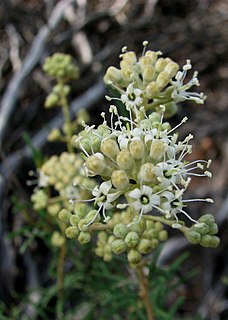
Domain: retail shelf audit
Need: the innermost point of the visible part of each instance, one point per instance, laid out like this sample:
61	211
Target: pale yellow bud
152	55
171	68
84	237
134	256
148	74
160	65
130	57
157	149
119	179
137	148
113	74
152	89
163	79
57	239
124	160
147	173
96	163
72	232
118	246
64	215
53	209
110	148
144	62
54	135
127	73
144	246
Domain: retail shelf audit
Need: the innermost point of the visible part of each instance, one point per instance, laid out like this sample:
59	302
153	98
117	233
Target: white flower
180	92
132	97
102	196
145	200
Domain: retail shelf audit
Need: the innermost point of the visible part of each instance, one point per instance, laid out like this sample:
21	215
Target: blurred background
94	32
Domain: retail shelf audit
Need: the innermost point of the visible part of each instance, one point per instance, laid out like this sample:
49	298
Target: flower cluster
152	80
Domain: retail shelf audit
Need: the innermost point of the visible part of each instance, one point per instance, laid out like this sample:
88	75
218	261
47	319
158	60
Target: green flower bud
193	237
157	149
53	209
134	256
124	160
54	135
118	246
206	240
96	163
131	239
110	148
137	148
213	228
158	226
138	227
82	225
51	101
74	220
147	173
150	233
91	215
144	246
107	257
80	209
207	218
64	215
215	241
57	239
99	252
163	235
119	179
120	230
84	237
163	79
40	199
202	228
154	243
72	232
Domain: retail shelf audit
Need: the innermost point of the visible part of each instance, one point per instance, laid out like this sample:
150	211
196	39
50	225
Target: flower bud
91	215
138	227
202	228
118	246
160	65
74	220
110	148
84	237
82	225
51	100
112	75
119	179
206	240
154	243
144	62
53	209
152	55
193	237
54	135
157	149
148	74
129	57
64	215
127	74
207	218
171	68
134	256
144	246
152	90
136	148
215	241
57	239
147	173
213	229
120	230
96	163
163	235
80	209
163	79
124	160
131	239
72	232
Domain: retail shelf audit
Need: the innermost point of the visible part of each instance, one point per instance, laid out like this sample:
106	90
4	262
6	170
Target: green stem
144	293
66	114
165	221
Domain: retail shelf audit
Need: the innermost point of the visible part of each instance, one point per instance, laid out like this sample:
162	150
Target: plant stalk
144	293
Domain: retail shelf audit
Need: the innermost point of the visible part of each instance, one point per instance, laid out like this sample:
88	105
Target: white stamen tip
108	98
209	200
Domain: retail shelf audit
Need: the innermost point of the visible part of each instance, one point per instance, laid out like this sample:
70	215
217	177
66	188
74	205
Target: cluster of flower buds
64	173
79	222
204	233
157	80
60	67
134	239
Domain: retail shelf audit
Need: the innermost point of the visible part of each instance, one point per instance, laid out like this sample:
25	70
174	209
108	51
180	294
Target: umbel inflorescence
140	163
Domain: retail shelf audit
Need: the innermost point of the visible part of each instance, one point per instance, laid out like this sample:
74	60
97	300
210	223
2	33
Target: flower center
144	199
131	96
